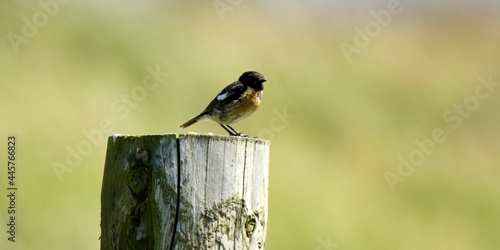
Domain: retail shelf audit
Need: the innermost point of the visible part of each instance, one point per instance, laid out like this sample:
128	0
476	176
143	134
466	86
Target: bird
234	103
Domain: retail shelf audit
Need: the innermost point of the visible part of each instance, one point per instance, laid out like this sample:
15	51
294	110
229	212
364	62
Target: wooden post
184	192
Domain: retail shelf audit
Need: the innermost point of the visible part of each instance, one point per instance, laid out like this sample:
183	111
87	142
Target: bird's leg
236	133
231	133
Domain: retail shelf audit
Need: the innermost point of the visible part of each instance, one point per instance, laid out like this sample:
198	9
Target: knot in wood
138	177
250	225
138	182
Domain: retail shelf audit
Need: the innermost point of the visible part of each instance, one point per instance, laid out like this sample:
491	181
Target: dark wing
228	95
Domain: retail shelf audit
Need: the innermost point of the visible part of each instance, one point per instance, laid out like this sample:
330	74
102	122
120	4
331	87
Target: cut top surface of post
185	191
113	137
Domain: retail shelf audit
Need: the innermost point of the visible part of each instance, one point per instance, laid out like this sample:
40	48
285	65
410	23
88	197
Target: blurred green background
350	118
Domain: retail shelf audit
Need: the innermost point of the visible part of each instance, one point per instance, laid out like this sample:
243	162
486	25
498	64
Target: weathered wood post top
185	191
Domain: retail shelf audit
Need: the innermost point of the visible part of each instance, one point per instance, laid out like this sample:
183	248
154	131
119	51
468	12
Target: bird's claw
239	134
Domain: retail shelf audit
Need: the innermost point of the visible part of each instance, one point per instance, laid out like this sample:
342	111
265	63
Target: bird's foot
239	134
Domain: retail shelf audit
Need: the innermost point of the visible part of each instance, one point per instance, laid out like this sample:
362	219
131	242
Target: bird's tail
192	121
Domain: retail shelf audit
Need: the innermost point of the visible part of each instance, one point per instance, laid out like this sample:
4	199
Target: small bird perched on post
235	102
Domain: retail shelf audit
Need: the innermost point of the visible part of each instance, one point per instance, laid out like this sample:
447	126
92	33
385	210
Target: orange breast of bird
245	106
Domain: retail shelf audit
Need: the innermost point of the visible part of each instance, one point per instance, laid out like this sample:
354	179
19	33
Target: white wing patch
221	97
